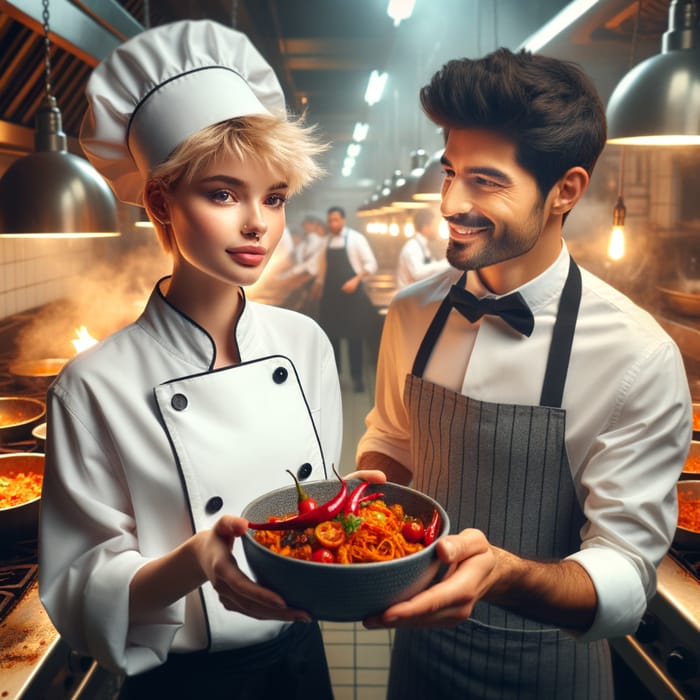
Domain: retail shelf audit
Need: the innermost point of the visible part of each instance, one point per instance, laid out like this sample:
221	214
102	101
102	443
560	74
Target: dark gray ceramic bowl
342	592
684	538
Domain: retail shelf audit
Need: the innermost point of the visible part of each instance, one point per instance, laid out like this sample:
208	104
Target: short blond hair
283	145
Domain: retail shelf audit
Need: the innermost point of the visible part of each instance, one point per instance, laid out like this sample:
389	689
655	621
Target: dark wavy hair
547	107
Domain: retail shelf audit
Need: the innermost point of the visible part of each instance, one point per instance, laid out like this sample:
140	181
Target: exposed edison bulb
616	246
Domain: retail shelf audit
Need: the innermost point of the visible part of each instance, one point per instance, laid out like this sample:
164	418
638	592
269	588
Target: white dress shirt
141	435
628	415
416	263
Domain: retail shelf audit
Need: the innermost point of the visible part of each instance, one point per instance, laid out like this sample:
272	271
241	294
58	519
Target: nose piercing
246	232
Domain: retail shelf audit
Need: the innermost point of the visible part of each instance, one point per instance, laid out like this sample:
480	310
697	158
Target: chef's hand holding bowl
361	586
236	591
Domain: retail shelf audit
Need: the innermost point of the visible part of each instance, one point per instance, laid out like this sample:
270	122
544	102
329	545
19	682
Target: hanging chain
47	48
633	51
234	13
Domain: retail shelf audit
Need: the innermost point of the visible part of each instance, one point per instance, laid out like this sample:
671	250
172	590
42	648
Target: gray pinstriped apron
503	469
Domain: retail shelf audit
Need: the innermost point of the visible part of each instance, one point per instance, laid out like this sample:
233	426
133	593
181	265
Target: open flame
84	340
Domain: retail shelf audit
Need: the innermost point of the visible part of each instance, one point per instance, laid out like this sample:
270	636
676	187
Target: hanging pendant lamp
52	193
658	102
402	196
429	184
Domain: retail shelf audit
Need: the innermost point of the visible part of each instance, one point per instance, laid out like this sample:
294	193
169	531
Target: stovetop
689	560
18	570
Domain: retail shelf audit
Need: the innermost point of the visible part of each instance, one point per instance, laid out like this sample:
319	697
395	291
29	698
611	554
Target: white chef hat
164	85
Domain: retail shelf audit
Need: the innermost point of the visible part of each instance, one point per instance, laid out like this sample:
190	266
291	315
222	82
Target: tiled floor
358	658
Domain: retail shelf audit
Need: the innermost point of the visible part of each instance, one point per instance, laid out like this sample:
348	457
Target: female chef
161	434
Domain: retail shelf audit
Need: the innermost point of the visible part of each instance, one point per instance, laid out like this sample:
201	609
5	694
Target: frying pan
37	375
18	416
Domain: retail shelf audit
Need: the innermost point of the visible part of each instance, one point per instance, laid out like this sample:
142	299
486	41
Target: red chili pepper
326	511
353	502
304	503
432	528
371	497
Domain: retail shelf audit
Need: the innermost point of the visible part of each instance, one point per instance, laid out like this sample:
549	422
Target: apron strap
432	334
562	340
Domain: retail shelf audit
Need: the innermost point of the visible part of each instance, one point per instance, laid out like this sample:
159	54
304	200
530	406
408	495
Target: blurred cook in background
303	280
416	261
345	309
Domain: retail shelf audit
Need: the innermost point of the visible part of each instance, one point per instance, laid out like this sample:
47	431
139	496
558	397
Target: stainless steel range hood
82	33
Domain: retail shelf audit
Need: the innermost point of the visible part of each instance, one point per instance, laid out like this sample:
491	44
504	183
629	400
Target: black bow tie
511	308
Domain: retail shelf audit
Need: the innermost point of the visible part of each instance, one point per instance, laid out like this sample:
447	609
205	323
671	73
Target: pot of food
21	477
37	375
683	297
691	468
18	417
688	529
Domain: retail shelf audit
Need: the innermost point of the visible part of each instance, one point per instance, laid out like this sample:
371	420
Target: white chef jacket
358	249
416	263
628	415
308	254
142	436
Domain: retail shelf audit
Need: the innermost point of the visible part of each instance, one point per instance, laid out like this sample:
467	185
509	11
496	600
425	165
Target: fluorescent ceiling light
565	18
360	131
375	87
399	10
349	163
354	150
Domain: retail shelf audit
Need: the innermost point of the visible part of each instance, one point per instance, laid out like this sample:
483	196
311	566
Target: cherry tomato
330	533
323	556
413	531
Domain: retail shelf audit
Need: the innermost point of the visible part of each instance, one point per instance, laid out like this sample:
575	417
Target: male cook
552	420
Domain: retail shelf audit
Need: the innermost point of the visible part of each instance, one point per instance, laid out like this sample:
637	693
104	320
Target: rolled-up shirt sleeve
628	488
360	254
387	424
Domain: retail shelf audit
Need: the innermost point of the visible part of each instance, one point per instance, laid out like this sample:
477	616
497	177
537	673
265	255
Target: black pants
355	354
292	667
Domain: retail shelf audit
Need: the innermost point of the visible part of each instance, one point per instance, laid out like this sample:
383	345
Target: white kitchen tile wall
35	272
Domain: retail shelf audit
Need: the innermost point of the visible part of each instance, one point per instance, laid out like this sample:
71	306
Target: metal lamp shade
429	184
52	193
55	194
658	102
